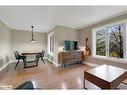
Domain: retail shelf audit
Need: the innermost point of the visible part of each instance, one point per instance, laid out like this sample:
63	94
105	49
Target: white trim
45	57
125	42
50	60
49	35
6	64
110	24
94	30
93	43
102	20
57	65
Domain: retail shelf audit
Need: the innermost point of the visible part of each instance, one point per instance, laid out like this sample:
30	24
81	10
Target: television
70	45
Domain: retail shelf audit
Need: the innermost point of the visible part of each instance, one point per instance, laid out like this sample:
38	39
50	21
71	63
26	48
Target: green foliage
115	41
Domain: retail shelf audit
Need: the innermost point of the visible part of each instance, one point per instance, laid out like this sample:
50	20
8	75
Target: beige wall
65	33
4	44
86	32
62	33
20	40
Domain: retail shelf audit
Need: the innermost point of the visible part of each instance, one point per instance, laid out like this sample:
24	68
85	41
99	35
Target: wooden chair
40	55
19	57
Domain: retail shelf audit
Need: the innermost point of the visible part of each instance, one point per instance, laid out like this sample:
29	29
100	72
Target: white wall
62	33
4	44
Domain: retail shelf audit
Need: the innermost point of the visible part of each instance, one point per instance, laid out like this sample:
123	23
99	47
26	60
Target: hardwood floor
46	76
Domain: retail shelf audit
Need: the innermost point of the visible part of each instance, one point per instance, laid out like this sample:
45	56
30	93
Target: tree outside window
109	41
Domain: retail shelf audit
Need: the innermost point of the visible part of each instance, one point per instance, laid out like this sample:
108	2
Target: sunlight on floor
63	86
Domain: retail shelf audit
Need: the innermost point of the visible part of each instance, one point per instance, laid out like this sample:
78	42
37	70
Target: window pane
51	43
116	41
101	42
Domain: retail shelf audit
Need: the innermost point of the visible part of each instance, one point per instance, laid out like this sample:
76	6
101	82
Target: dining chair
19	57
40	55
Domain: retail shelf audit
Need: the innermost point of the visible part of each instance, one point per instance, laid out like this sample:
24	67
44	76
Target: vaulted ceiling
45	18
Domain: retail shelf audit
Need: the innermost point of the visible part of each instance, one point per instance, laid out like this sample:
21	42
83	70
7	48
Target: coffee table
105	76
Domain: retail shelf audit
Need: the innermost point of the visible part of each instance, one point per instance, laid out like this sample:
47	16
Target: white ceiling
45	18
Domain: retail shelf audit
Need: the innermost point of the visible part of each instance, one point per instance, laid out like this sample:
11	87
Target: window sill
111	59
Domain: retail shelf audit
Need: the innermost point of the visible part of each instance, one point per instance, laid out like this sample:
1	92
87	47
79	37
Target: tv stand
69	57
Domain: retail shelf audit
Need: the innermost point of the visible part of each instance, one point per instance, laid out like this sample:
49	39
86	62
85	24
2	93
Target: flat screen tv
70	45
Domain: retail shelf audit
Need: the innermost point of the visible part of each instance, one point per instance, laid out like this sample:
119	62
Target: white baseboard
45	58
6	64
56	64
50	60
1	68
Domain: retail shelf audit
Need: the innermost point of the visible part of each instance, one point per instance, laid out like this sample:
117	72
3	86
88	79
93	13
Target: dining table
27	53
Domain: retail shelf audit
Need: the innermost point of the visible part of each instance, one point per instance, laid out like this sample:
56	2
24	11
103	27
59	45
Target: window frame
50	35
95	42
107	57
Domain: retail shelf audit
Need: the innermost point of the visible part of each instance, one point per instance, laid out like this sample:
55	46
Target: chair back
43	53
26	85
16	53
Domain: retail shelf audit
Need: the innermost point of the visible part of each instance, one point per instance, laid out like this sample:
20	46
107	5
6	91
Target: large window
101	42
116	41
109	41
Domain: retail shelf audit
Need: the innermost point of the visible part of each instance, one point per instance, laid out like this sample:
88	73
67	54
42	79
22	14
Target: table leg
84	85
37	59
84	81
25	62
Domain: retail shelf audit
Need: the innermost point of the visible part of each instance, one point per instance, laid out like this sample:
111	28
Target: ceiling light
32	37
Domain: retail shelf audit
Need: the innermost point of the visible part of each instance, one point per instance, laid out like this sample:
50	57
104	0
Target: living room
91	35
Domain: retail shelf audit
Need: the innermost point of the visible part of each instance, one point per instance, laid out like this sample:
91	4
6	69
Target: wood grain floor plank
47	76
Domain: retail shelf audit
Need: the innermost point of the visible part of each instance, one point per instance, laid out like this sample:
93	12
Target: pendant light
32	37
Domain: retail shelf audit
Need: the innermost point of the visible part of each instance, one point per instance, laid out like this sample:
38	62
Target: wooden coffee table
105	76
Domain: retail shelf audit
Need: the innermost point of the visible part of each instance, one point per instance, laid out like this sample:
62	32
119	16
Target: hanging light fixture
32	37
